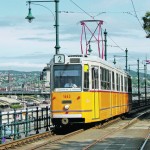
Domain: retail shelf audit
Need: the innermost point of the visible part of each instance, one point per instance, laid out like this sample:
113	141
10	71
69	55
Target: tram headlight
66	107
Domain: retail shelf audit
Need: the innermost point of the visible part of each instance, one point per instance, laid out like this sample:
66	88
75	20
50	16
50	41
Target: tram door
95	87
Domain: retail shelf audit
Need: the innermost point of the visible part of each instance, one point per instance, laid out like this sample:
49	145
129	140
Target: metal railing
24	92
23	123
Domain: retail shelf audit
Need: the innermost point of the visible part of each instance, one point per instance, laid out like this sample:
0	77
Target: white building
45	78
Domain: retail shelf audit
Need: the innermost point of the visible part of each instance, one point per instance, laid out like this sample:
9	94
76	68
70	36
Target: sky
28	46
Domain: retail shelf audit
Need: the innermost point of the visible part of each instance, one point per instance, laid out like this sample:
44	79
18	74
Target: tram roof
92	59
98	60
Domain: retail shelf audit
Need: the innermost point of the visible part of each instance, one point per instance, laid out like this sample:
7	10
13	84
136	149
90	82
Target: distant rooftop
8	101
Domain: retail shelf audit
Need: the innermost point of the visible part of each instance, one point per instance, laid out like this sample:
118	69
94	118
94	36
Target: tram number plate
59	59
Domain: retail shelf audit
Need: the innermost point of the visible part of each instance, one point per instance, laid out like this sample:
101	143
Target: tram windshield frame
63	73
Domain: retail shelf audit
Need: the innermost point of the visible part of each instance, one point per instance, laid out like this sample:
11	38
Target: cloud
4	23
48	38
18	64
35	39
33	56
23	44
33	61
22	66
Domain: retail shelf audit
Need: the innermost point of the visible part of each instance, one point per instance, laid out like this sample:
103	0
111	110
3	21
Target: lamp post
30	18
105	35
126	56
145	73
145	81
138	72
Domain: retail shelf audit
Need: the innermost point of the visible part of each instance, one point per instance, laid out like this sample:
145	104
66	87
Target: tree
146	24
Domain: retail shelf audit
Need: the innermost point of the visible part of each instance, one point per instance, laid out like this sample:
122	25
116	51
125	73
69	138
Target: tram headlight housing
66	107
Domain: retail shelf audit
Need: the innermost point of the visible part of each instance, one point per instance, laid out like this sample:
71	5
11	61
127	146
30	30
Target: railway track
145	143
26	140
119	128
90	138
48	139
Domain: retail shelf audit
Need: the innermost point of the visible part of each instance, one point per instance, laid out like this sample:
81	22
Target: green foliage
146	24
142	79
16	106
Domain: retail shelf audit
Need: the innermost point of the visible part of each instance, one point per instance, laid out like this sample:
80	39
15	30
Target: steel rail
145	142
49	133
114	131
74	133
25	140
49	141
58	139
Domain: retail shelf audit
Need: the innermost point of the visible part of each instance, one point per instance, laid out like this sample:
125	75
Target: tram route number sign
59	59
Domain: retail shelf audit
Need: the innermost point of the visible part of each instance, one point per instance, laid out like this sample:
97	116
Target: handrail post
138	68
145	72
26	122
47	118
15	129
8	118
0	127
37	117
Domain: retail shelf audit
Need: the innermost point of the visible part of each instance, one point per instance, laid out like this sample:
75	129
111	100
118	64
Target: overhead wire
136	13
136	16
81	9
103	12
94	19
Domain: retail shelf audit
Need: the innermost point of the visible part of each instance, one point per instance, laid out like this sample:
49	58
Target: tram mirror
86	68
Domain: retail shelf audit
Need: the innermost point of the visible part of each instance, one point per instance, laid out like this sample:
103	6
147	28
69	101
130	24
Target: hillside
20	78
142	79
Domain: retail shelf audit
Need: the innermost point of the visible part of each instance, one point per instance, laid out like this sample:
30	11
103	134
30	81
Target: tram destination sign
59	59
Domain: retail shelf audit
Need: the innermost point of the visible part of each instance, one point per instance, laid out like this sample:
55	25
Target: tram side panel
114	103
105	105
86	107
88	110
124	103
119	106
90	106
109	103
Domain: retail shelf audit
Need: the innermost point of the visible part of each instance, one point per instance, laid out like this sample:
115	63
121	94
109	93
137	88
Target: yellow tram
87	89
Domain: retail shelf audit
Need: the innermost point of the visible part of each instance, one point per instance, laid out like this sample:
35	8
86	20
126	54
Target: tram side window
95	81
125	83
129	85
118	81
109	81
86	77
121	83
113	81
105	79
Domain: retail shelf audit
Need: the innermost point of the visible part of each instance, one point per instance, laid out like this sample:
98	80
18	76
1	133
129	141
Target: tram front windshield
67	76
